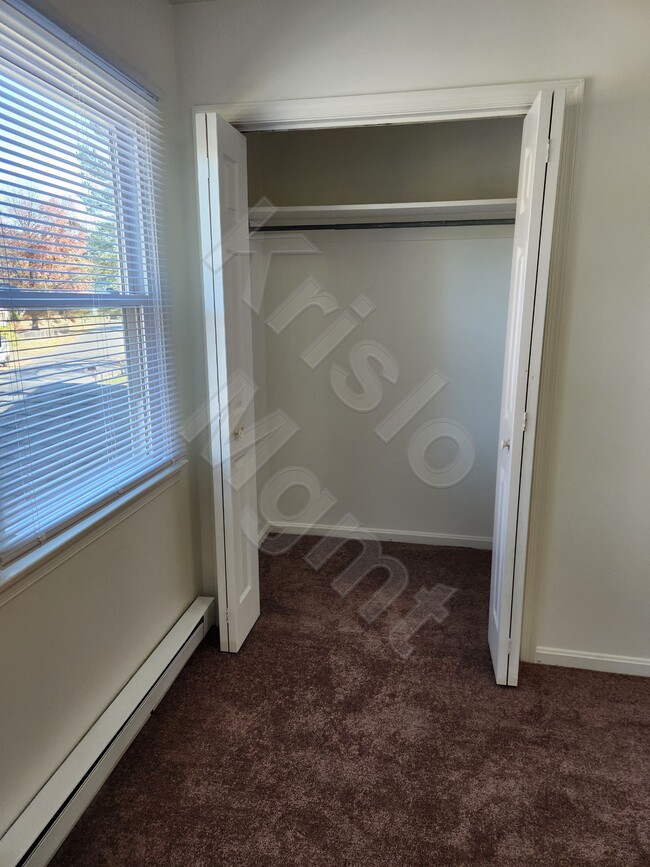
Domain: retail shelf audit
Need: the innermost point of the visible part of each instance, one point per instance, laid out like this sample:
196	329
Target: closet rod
416	224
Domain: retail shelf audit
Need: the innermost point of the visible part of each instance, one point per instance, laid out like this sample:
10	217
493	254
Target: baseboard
41	828
416	538
612	663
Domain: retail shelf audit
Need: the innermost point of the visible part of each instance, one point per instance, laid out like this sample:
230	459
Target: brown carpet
318	745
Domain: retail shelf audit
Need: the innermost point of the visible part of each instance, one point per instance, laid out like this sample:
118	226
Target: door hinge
523	426
548	149
227	615
509	645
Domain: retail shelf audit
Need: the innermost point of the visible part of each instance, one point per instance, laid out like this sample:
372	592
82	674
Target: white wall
70	641
440	298
590	578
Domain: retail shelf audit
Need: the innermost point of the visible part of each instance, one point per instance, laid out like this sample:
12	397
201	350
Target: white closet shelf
407	212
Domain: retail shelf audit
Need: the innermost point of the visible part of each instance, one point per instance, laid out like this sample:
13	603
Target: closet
375	300
402	238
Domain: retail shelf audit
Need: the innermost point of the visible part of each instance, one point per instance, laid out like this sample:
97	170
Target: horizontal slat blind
86	399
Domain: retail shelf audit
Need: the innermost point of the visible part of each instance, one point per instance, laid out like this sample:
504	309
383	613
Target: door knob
238	432
505	444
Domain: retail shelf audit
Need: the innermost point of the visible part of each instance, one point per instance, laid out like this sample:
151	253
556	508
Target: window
85	400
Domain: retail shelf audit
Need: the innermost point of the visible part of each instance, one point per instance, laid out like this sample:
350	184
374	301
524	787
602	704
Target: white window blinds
85	399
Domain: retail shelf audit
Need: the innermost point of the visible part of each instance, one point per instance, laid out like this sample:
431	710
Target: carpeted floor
318	745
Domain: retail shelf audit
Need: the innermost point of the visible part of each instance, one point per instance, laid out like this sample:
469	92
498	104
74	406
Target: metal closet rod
415	224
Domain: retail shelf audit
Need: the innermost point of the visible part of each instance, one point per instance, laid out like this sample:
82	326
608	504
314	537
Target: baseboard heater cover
37	833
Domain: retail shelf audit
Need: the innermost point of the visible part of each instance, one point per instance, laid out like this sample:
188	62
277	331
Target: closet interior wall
420	299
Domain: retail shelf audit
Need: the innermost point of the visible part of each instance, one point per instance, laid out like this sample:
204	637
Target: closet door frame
467	103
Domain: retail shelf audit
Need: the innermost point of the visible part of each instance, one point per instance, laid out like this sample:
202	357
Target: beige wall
441	301
71	640
440	297
434	162
592	571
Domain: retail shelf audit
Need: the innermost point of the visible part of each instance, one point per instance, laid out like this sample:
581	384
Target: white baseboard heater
41	828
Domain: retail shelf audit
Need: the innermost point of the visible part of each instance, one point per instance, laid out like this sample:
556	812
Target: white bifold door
222	188
223	215
536	192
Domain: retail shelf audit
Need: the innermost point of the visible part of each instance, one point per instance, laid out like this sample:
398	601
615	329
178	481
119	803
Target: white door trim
464	103
413	106
211	492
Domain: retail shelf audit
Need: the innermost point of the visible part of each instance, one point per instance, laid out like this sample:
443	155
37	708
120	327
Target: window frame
134	171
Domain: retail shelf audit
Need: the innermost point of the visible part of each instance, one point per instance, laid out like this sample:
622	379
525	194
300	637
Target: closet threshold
477	212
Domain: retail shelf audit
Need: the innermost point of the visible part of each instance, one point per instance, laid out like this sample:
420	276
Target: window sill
34	565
